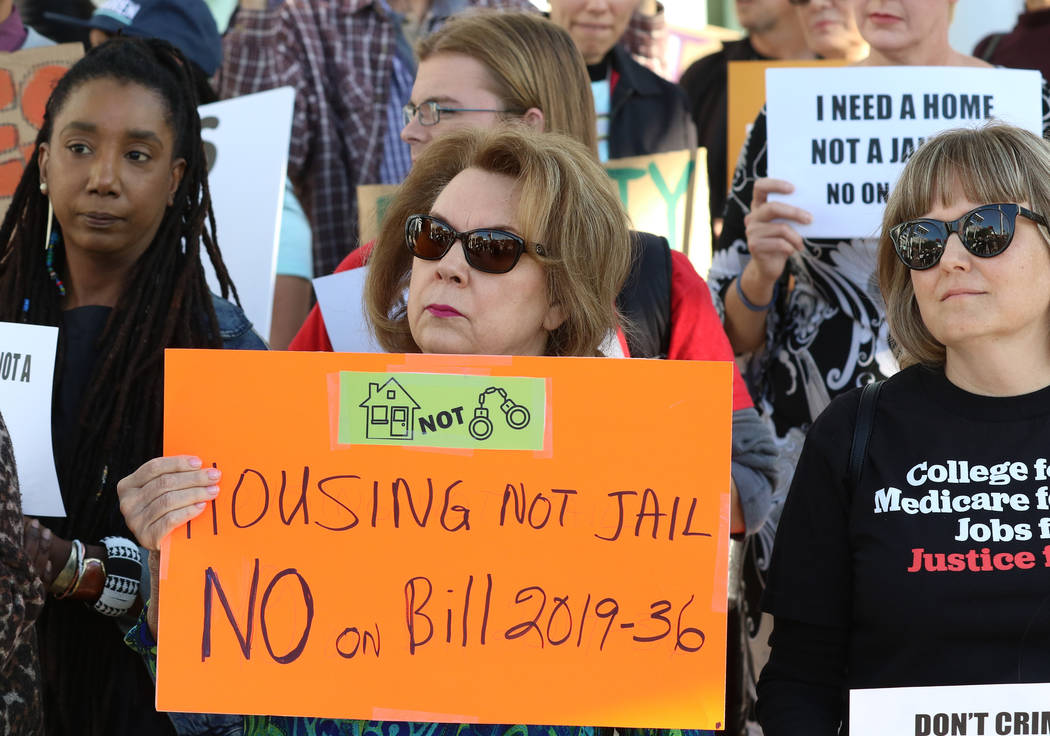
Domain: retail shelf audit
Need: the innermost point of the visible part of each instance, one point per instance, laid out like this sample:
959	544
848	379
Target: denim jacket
234	327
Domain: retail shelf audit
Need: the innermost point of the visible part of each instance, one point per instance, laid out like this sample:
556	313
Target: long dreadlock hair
164	302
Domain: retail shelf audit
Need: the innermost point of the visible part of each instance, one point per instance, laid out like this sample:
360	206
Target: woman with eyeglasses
803	311
508	243
927	564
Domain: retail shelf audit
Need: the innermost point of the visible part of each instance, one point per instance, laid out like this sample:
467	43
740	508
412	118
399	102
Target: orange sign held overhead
545	544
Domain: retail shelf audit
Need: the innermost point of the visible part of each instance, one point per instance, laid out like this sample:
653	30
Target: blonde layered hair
995	163
531	62
567	204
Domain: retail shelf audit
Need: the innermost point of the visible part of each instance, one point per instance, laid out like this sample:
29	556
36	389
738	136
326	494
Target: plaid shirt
339	56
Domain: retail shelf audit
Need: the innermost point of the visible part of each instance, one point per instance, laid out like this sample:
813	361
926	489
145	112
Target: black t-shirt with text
938	564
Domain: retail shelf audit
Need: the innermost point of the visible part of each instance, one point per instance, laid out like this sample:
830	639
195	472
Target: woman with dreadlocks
103	239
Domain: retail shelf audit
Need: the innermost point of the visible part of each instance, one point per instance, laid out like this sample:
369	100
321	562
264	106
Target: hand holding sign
771	240
165	493
770	236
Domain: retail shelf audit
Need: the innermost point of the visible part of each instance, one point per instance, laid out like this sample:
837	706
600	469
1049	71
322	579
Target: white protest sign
842	136
341	299
27	371
961	710
246	140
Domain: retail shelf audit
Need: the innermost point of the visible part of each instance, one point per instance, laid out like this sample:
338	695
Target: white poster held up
246	142
27	372
341	299
842	136
962	710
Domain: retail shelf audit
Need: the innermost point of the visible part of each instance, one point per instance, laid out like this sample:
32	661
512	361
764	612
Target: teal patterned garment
276	726
272	726
141	640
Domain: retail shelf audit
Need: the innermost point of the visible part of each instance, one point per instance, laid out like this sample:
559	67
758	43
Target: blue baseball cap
188	25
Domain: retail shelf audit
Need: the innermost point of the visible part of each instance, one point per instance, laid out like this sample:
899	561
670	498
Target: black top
125	694
648	114
81	329
935	571
1022	48
706	85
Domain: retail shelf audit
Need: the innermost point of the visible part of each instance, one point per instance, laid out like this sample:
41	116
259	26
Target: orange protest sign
372	555
747	94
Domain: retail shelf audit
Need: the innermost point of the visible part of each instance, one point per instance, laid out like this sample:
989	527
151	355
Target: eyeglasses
486	249
798	2
984	231
430	112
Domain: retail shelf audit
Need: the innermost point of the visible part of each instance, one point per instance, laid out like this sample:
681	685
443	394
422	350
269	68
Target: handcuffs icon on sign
480	427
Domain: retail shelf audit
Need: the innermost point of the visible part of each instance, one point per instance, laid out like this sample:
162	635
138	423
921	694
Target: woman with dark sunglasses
509	243
927	565
803	312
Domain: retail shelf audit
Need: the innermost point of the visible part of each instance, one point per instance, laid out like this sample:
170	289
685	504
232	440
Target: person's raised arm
771	240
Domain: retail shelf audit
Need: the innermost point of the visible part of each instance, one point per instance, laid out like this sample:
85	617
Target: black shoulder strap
645	300
993	44
869	396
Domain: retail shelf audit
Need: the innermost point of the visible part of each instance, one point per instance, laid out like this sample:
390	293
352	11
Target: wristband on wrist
89	583
67	580
67	574
751	305
123	573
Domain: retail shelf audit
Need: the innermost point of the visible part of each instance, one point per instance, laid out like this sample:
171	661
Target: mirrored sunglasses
985	232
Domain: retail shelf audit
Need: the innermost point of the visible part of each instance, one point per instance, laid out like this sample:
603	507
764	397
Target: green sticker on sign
442	410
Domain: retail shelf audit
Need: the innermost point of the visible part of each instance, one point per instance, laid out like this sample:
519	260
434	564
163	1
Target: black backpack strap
993	44
869	396
645	300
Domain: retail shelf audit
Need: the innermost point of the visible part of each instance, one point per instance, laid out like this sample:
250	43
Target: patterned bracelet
751	305
123	571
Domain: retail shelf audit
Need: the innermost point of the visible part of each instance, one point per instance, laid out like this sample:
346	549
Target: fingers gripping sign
771	238
163	494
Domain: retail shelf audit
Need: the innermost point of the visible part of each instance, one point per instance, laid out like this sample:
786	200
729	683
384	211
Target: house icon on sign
391	412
